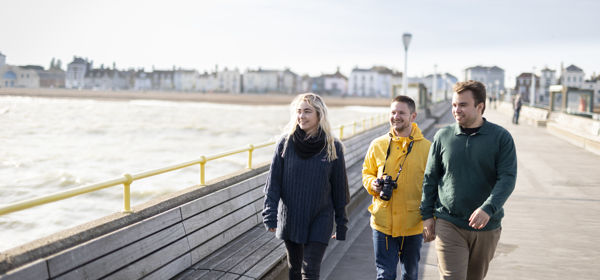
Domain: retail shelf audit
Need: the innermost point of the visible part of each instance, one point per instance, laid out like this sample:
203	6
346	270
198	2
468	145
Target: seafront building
491	76
330	84
30	76
376	81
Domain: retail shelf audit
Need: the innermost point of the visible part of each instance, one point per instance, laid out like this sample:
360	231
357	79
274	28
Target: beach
223	98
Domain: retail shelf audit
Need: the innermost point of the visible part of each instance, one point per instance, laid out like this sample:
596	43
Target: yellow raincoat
400	215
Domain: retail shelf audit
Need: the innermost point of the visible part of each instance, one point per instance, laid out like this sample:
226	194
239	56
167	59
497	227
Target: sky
309	36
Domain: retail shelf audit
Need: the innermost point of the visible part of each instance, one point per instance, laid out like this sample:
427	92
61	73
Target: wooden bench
257	254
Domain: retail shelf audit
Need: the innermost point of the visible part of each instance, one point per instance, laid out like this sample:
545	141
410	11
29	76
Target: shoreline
222	98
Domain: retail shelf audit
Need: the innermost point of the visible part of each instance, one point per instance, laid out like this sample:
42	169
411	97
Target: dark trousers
516	116
389	250
304	260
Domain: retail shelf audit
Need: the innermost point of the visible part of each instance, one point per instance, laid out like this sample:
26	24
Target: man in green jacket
471	172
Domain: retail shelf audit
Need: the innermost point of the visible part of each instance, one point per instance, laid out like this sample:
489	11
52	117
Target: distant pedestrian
517	109
307	187
471	171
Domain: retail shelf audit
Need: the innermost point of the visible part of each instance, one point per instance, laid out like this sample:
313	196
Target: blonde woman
307	187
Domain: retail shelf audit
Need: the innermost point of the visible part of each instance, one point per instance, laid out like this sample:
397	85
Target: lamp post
406	40
532	90
434	84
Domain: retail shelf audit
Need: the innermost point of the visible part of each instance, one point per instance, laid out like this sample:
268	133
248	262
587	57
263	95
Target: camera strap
410	145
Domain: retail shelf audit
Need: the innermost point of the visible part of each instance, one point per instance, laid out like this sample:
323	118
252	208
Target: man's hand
272	229
333	236
376	188
479	219
429	230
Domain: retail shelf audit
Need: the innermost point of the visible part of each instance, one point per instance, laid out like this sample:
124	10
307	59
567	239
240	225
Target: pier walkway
551	224
550	227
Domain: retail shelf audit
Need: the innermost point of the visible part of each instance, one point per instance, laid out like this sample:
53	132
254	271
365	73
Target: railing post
353	128
250	149
202	170
364	125
341	132
127	193
372	118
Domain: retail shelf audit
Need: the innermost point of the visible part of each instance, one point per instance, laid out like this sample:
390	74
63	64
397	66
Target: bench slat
105	244
248	251
225	208
171	269
127	255
194	207
230	249
267	263
200	252
154	261
36	270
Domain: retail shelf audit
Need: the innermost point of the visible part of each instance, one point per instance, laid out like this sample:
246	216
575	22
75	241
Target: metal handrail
127	179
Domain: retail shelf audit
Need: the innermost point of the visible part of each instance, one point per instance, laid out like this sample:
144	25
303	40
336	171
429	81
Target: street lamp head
406	40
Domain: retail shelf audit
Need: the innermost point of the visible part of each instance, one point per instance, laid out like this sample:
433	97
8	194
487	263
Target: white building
572	76
229	81
335	84
142	80
76	70
523	87
185	80
261	81
289	82
304	83
594	84
15	76
443	85
373	82
107	79
492	77
163	80
547	78
206	82
269	81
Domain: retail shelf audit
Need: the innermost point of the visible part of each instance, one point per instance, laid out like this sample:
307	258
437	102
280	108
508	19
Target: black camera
387	187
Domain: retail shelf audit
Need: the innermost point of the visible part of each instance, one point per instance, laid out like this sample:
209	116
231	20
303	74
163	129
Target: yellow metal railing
127	179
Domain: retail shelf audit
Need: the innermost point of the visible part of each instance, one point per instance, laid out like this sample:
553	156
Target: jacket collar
415	133
485	128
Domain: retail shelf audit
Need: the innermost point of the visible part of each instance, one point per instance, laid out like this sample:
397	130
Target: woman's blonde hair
318	104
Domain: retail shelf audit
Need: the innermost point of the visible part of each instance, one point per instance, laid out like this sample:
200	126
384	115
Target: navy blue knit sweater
303	195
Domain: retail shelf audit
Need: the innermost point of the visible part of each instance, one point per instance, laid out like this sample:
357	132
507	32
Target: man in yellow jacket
393	174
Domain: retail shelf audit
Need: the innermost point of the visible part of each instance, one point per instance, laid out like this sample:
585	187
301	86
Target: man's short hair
407	100
477	88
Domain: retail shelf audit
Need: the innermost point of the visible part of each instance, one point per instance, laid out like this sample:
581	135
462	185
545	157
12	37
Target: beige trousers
464	254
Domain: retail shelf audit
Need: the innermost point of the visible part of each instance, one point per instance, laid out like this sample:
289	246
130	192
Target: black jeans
304	260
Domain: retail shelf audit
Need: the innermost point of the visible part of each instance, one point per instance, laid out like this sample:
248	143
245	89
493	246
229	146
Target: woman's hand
333	236
272	229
